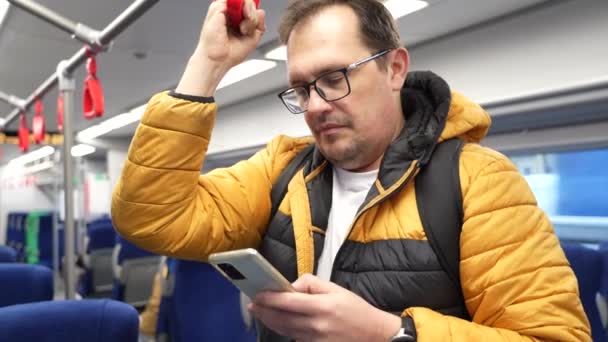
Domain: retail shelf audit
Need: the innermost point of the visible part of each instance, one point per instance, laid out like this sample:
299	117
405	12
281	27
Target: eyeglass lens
330	87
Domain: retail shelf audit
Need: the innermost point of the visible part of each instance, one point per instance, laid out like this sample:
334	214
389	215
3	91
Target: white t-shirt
348	193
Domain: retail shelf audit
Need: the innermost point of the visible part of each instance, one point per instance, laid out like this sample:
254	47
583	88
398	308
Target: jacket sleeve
163	204
516	280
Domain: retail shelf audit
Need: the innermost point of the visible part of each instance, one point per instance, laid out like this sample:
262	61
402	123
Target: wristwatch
402	336
407	333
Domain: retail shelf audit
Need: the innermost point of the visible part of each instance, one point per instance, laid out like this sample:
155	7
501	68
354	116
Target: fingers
250	11
250	20
217	6
301	303
259	30
246	27
313	285
283	322
261	15
215	21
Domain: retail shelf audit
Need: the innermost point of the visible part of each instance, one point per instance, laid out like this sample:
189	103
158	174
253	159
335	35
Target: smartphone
249	272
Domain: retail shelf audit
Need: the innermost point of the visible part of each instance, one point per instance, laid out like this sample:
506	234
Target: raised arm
161	202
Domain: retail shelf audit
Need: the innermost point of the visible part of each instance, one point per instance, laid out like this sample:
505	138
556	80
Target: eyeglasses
331	86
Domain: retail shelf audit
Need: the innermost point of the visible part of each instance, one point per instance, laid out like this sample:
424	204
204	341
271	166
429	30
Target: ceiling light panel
401	8
245	70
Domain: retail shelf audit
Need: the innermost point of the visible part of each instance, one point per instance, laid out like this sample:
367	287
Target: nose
316	104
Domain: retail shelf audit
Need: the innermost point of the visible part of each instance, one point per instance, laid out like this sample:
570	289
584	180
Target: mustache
322	122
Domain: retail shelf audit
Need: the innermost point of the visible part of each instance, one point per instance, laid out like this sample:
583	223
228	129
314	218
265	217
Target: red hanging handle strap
93	102
234	12
38	125
60	112
24	134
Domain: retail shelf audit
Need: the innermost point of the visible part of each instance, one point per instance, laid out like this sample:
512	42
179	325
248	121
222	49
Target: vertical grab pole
56	228
67	85
82	222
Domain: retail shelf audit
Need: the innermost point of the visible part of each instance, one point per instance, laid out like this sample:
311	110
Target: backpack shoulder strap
439	199
279	188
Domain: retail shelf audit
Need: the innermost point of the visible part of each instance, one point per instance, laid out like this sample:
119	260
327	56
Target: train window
572	187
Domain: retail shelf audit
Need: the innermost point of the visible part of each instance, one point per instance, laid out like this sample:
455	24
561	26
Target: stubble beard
346	156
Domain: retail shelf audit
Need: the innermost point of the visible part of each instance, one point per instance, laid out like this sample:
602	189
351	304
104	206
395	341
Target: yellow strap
302	224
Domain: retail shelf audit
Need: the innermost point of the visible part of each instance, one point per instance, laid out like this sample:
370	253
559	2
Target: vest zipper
413	171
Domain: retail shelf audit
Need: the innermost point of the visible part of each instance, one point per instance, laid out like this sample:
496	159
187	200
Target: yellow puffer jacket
516	281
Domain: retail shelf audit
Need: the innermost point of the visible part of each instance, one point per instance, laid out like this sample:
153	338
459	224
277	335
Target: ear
399	64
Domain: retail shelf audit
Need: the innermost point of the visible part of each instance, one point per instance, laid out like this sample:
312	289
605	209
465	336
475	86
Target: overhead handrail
12	100
96	41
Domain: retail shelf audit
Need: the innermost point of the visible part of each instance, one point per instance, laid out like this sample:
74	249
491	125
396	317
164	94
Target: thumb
261	22
310	284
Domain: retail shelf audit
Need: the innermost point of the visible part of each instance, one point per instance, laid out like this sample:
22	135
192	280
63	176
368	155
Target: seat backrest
45	239
61	242
134	270
22	283
100	241
206	313
10	230
102	275
137	277
67	321
100	235
603	249
7	254
587	266
100	218
603	299
127	250
15	233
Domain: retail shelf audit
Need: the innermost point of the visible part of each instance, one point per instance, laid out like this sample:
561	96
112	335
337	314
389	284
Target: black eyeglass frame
321	93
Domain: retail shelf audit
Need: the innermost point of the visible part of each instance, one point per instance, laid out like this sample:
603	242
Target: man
350	214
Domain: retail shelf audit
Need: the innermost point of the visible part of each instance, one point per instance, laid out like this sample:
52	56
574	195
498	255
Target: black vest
390	274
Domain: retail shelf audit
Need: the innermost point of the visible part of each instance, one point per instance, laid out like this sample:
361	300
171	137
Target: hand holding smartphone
249	272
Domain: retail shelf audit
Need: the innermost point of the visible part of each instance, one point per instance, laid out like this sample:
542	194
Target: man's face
352	132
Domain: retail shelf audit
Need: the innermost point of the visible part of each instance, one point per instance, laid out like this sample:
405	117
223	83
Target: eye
332	80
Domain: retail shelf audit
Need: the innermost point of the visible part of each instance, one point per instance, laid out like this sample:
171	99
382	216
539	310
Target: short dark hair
376	24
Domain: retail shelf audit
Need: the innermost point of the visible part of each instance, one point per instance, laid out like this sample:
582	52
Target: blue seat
69	321
22	283
45	240
134	271
101	235
587	264
99	245
15	233
61	243
603	249
7	254
205	313
9	238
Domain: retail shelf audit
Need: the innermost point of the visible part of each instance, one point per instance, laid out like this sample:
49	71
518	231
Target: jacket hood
433	114
430	107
